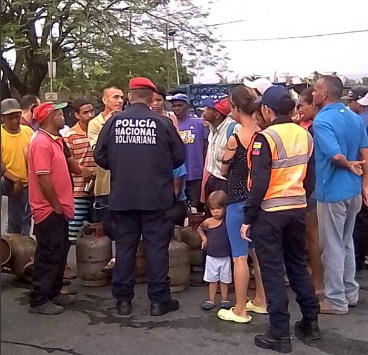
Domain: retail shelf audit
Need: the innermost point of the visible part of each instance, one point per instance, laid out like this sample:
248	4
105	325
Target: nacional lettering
139	131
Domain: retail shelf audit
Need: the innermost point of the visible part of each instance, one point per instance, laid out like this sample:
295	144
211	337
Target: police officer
276	211
141	148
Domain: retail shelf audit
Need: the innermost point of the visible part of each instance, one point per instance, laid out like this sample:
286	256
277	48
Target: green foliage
102	42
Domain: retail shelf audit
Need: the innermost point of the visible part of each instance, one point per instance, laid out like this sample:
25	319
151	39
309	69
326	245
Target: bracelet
226	162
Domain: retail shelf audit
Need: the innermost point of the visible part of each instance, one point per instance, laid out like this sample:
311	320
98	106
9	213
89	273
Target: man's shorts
218	269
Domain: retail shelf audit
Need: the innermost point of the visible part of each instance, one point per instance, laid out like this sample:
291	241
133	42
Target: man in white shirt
222	126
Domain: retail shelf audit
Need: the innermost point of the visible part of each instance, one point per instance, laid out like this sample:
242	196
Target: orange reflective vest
291	147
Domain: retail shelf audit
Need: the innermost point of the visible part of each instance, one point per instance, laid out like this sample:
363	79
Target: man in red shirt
51	200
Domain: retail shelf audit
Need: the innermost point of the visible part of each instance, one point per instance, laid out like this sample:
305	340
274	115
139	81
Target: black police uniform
279	240
141	149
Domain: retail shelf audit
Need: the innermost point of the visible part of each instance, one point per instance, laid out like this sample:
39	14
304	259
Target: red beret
141	83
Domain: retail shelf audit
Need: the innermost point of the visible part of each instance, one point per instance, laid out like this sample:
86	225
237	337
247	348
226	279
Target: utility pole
172	34
176	61
167	58
51	64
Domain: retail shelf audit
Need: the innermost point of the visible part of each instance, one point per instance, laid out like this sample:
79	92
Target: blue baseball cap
273	96
179	97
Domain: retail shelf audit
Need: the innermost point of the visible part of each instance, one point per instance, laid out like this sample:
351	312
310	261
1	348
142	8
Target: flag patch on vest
256	148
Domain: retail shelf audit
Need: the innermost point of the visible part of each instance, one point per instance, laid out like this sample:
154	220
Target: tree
84	33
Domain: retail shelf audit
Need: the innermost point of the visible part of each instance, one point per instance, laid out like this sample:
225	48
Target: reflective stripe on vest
275	203
283	160
291	147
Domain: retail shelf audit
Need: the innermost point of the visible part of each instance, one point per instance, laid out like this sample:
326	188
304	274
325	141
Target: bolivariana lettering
135	140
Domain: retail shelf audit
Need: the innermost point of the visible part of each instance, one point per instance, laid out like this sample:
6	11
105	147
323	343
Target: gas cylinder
179	266
195	219
94	251
5	250
23	249
190	237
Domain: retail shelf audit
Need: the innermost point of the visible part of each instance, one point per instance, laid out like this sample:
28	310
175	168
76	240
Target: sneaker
63	300
326	308
266	341
48	309
124	308
304	328
161	308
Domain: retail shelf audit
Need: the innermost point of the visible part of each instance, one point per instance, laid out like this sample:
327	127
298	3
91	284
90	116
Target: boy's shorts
218	269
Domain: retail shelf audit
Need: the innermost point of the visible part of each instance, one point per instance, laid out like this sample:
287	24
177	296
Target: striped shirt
78	143
102	183
217	140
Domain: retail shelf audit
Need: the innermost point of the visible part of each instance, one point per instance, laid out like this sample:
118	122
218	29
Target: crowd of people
277	180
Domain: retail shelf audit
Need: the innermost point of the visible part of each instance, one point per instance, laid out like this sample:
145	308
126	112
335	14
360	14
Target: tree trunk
37	73
13	79
5	92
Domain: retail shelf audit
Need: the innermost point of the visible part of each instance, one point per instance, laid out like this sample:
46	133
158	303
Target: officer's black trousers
50	258
157	229
361	237
280	239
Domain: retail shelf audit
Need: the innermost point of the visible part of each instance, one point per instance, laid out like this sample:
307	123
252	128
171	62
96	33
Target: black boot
305	328
161	308
124	308
266	341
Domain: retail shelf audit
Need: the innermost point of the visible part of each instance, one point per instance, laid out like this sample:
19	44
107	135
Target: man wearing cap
222	126
51	200
15	140
194	135
341	159
355	94
361	222
275	217
141	149
78	143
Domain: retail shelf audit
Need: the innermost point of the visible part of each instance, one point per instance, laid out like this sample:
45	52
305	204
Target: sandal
208	305
229	315
225	305
251	307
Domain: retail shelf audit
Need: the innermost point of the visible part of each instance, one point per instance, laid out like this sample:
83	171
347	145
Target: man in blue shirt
341	152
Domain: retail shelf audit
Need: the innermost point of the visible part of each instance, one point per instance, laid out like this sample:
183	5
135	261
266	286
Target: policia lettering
128	131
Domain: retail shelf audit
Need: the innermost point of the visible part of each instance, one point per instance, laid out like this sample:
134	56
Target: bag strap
230	129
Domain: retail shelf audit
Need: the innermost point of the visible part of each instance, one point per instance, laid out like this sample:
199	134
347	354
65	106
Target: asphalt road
92	327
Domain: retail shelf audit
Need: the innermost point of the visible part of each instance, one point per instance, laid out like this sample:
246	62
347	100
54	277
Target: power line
291	37
225	23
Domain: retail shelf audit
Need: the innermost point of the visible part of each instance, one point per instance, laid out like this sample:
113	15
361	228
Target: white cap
261	84
363	101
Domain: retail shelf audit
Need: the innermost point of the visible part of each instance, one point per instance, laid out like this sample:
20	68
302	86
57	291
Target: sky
346	54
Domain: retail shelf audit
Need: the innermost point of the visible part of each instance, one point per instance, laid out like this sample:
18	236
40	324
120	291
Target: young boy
216	243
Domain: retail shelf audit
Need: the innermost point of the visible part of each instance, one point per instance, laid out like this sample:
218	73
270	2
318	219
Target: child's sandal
225	305
208	305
